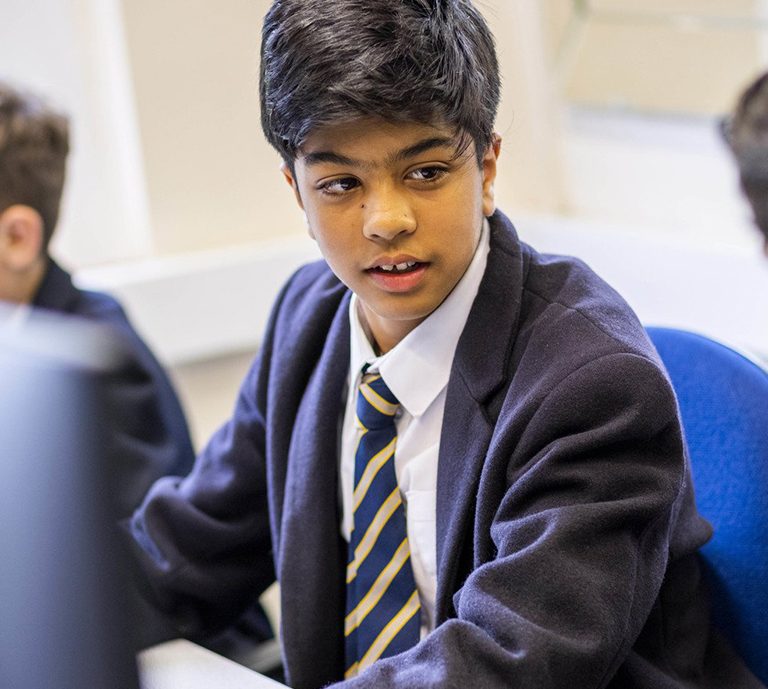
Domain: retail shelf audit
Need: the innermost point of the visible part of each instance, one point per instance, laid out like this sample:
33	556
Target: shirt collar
417	369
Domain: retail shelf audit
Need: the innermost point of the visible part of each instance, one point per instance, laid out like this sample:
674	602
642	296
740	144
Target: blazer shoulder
309	298
563	292
543	315
312	281
100	306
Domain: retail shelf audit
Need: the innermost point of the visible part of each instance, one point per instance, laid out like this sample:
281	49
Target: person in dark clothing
153	437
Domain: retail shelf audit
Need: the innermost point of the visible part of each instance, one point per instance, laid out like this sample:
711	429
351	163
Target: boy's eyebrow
422	147
318	157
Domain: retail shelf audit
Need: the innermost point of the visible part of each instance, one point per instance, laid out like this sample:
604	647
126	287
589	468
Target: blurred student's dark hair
746	131
425	61
34	144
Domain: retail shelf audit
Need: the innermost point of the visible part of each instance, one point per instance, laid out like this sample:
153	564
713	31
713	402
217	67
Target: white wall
675	176
211	177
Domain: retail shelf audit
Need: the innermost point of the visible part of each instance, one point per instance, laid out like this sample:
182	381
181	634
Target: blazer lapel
313	555
477	383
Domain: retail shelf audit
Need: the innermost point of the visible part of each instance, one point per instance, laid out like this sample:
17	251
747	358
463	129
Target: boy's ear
21	238
291	179
489	175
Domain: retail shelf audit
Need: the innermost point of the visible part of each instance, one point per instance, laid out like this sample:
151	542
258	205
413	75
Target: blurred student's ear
22	259
21	238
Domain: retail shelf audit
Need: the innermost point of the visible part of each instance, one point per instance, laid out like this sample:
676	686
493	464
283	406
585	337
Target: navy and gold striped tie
383	610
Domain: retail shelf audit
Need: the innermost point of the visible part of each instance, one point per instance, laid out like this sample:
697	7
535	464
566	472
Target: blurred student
152	439
746	132
34	144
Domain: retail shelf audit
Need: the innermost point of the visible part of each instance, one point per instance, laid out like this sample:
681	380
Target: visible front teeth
399	267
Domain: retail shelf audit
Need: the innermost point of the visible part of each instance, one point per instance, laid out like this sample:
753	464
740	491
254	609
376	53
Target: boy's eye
341	185
427	174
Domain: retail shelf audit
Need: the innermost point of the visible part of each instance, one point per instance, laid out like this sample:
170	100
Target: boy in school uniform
34	145
461	459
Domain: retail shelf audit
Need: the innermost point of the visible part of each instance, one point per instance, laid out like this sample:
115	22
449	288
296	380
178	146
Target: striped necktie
383	610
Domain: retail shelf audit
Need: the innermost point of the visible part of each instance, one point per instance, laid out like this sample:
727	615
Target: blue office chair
723	397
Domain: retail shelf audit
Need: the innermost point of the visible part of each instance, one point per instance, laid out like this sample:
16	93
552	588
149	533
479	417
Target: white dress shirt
416	370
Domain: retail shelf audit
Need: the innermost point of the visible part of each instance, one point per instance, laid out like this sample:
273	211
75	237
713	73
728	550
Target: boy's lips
397	273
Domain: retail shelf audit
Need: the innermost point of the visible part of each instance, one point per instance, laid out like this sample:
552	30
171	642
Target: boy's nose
385	218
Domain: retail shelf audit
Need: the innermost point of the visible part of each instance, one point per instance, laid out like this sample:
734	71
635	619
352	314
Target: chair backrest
723	398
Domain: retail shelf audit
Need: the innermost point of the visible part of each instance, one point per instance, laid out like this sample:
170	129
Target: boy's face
396	213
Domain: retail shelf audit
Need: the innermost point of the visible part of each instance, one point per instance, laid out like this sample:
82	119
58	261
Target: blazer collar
313	554
479	377
486	343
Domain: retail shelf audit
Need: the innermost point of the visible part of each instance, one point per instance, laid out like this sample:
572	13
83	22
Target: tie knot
376	405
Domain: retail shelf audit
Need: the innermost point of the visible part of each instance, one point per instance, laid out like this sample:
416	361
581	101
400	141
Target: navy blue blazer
566	526
152	438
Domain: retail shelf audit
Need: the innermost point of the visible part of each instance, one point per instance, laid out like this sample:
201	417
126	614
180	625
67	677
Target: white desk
182	664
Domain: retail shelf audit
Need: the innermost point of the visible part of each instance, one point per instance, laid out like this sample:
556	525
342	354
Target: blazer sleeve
581	532
151	437
203	542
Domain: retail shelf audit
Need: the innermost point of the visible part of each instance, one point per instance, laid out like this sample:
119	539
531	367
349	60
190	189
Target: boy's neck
386	335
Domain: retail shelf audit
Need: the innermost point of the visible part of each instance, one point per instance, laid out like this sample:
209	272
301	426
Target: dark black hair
332	61
34	144
747	134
